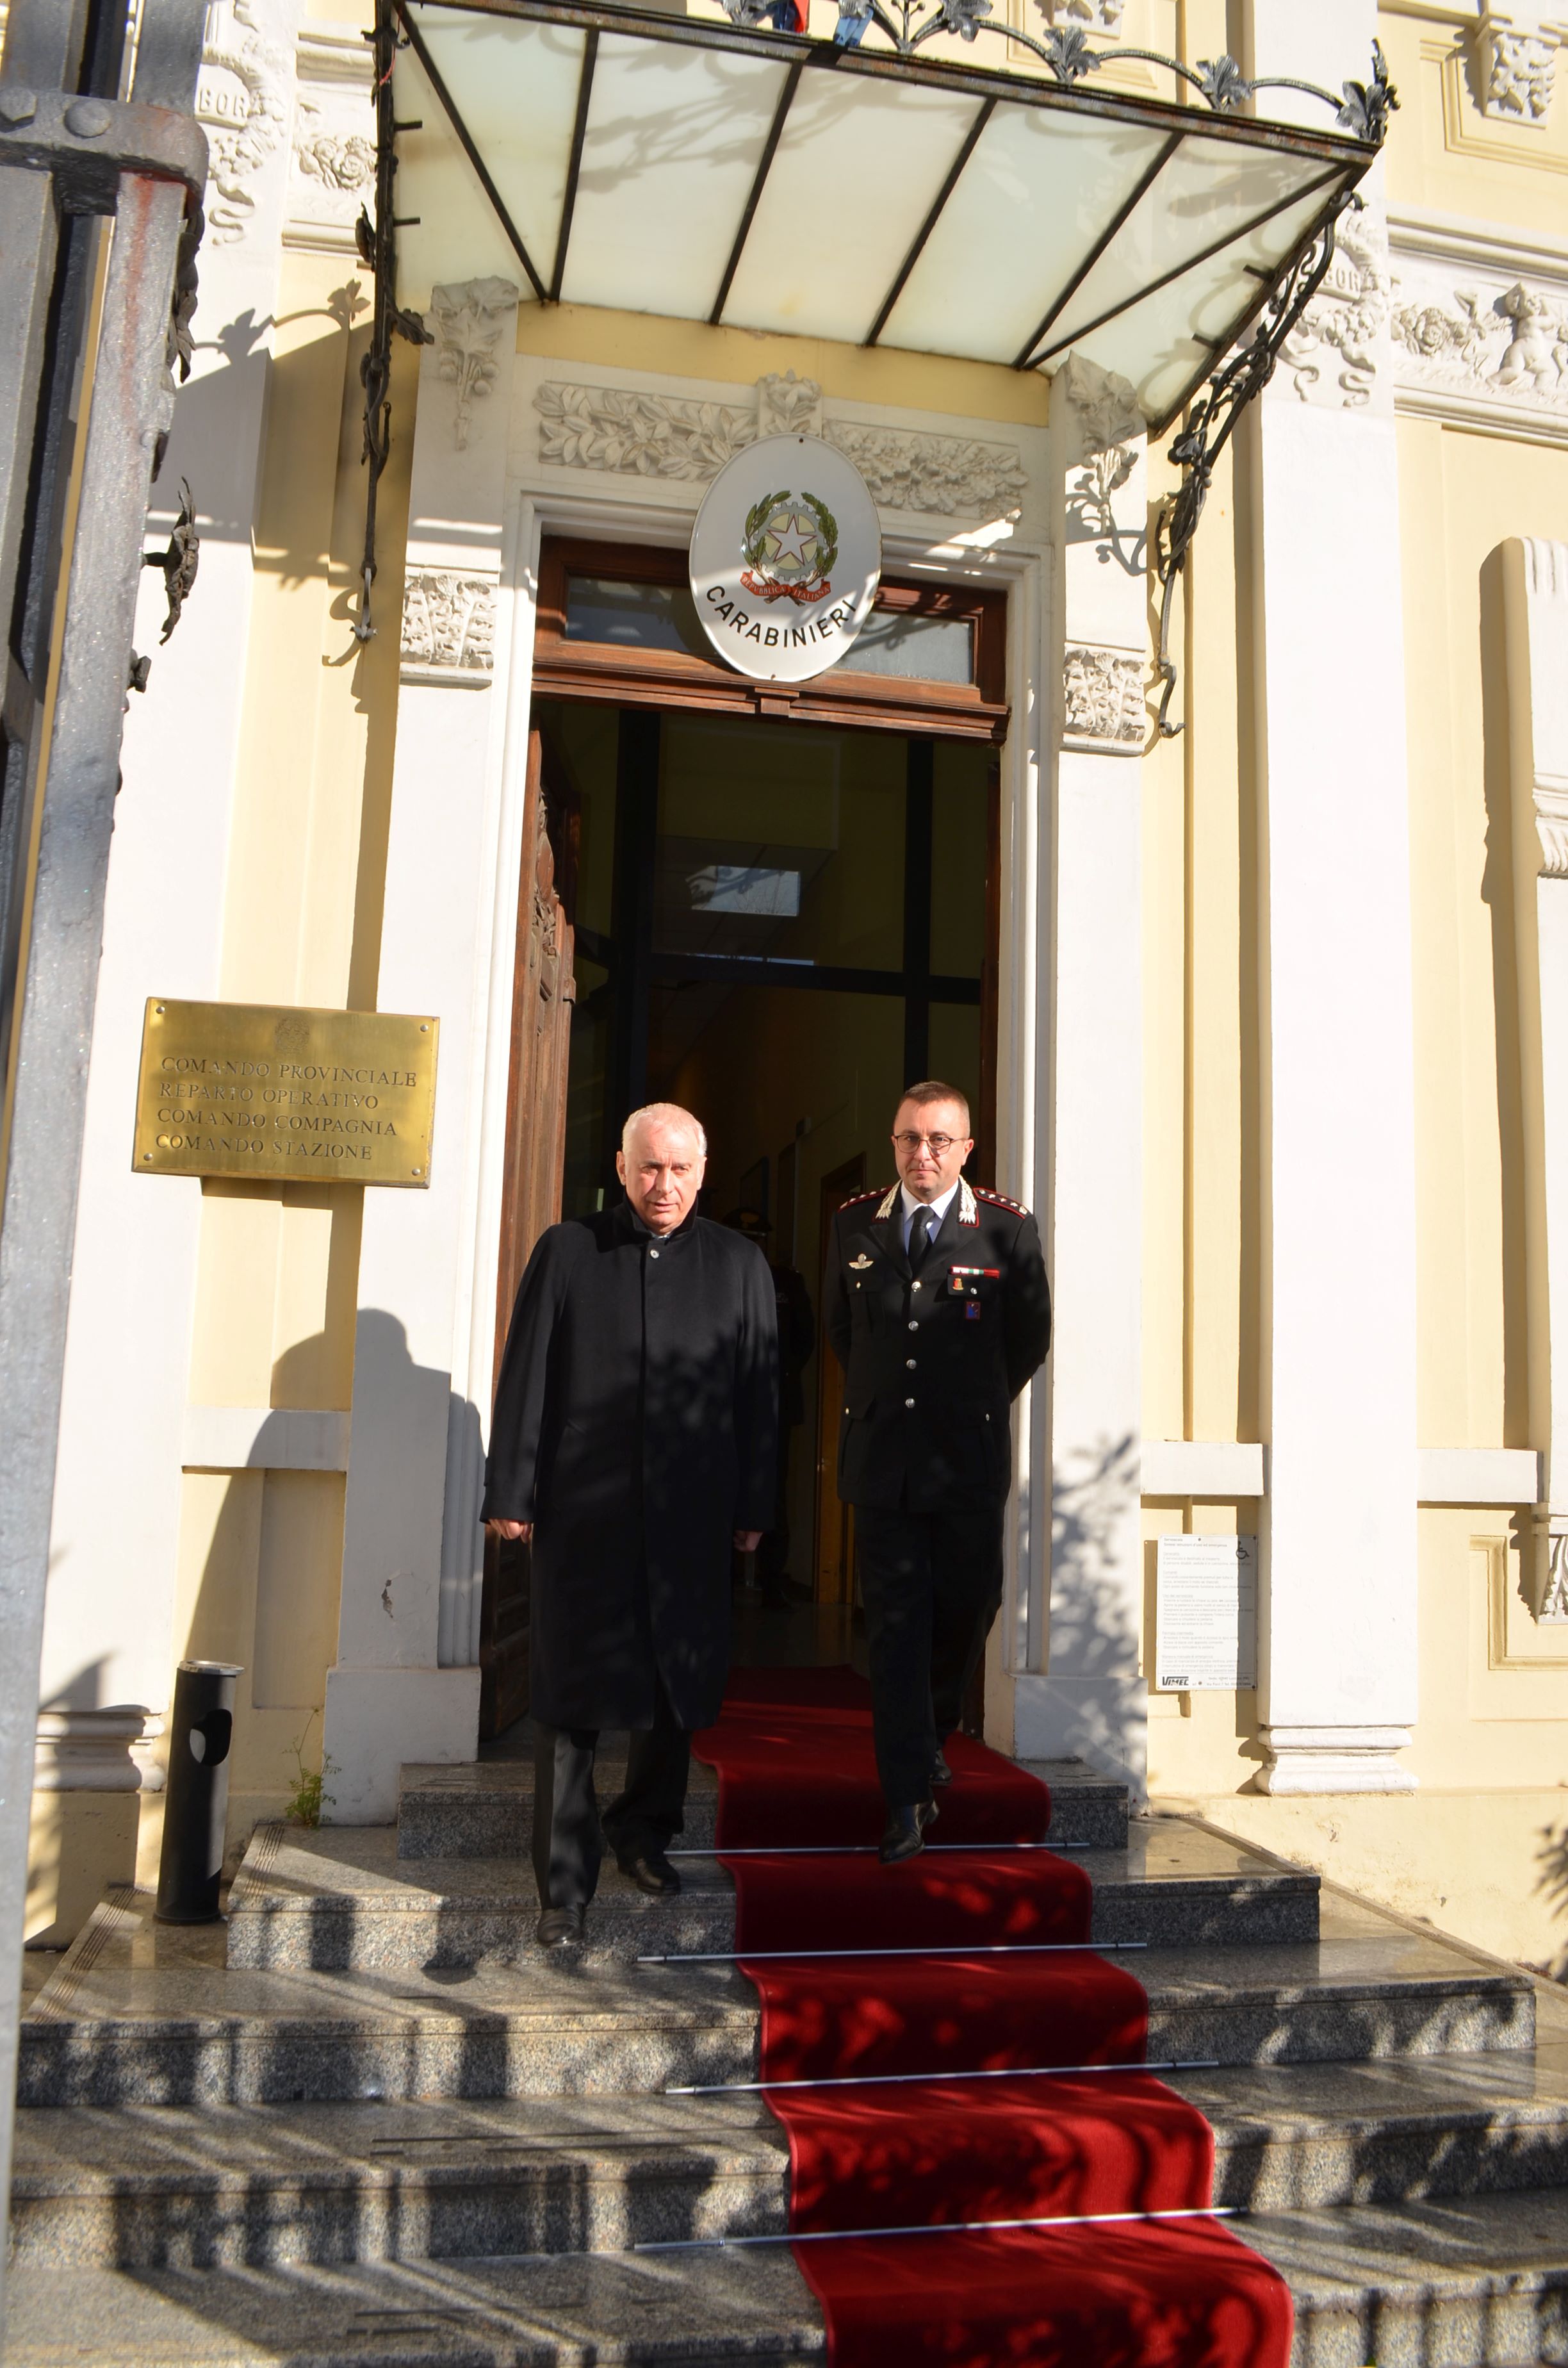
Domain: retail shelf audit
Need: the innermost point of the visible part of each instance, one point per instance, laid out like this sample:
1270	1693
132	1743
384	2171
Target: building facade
1263	1018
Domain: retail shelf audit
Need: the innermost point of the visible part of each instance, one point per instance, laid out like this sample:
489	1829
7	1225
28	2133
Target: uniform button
913	1326
909	1361
653	1254
914	1286
909	1402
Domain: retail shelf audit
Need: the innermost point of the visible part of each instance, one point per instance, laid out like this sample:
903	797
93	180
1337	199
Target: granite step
341	1899
139	2013
162	2188
1477	2283
486	1809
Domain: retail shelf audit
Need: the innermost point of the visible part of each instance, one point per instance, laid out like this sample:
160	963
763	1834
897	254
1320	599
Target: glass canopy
612	157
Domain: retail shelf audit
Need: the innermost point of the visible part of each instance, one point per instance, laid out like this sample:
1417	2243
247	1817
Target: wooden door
835	1520
535	1137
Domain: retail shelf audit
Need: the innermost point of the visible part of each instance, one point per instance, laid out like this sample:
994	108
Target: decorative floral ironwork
377	243
1362	108
1210	425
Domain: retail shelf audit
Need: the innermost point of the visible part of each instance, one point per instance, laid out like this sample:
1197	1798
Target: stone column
1090	1700
1337	1661
108	1647
1535	593
406	1685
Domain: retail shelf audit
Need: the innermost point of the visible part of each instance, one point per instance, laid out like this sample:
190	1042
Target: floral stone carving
469	320
1330	356
1514	70
1102	697
630	432
449	621
242	100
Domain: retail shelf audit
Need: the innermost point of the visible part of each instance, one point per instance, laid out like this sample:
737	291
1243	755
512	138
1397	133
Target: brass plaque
262	1090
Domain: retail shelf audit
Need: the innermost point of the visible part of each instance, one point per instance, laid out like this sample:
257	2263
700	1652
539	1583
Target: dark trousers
931	1583
773	1554
569	1833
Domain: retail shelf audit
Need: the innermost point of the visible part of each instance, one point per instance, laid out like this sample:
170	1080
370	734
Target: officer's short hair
932	1089
672	1115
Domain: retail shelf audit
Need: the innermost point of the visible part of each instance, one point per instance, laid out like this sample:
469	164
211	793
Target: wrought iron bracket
377	243
1212	421
87	143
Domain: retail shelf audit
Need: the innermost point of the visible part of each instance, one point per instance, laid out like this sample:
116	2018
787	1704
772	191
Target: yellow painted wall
1482	1848
260	1553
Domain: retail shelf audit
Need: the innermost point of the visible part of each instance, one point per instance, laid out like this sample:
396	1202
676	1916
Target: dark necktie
921	1234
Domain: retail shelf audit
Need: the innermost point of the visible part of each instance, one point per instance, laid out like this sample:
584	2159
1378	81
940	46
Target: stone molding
243	98
1316	1760
97	1750
1332	356
1102	700
469	320
638	432
448	626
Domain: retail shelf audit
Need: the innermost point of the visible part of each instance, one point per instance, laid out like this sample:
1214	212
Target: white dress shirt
908	1205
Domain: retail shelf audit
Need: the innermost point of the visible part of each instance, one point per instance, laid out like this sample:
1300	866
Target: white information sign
786	557
1206	1617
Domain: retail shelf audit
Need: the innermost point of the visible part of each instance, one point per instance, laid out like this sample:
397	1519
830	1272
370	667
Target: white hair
667	1114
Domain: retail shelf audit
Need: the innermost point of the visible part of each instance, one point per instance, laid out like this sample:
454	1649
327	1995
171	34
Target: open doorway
778	922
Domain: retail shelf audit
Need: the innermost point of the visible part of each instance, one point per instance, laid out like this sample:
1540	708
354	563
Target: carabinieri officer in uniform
938	1311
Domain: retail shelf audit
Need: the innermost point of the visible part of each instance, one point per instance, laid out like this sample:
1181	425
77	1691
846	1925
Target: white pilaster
108	1646
406	1685
1338	1674
1535	581
1089	1698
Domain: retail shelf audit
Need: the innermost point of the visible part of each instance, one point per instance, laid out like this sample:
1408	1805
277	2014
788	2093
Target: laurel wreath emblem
758	579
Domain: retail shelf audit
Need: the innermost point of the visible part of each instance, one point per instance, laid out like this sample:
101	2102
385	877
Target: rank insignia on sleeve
862	1260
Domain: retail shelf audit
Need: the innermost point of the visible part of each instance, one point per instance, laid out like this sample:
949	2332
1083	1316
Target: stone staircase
366	2122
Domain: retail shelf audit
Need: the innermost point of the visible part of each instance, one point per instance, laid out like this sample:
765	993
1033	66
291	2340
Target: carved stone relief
1331	355
1102	697
243	99
332	165
1514	67
470	320
449	621
635	433
1094	15
1107	406
1503	344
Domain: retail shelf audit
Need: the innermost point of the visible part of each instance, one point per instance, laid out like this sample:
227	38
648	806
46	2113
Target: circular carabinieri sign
785	556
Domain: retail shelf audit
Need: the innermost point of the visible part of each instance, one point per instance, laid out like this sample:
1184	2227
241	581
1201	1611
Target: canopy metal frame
1233	370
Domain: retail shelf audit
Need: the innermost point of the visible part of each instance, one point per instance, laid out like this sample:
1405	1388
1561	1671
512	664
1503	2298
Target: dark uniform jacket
932	1364
635	1426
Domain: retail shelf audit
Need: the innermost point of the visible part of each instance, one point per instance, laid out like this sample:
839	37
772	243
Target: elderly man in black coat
634	1444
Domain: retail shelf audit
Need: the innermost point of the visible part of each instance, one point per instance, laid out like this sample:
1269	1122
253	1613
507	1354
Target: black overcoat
636	1424
932	1365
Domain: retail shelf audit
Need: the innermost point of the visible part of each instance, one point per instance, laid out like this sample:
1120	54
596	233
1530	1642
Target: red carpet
796	1774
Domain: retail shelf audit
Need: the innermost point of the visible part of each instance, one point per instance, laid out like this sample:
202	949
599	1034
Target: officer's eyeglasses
940	1145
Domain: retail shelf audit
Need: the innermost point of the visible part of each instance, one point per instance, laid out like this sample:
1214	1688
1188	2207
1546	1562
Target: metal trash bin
196	1798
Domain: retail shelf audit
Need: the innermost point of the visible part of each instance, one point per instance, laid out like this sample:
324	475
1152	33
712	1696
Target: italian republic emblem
790	545
782	579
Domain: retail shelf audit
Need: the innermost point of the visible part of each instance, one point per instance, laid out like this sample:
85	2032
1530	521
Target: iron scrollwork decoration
1362	108
179	561
1209	423
377	243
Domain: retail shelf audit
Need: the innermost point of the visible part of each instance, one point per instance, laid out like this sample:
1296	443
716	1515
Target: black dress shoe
559	1927
940	1771
905	1836
651	1872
